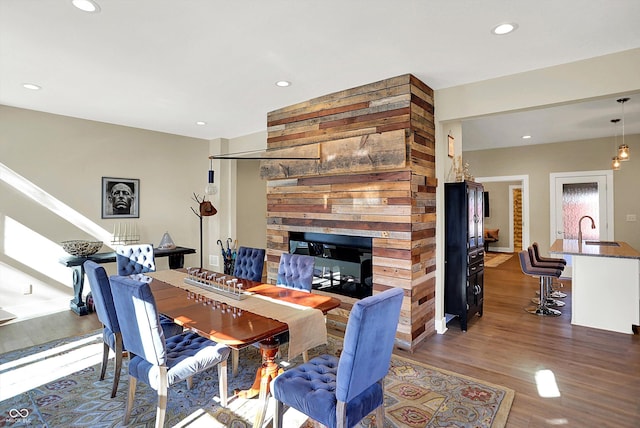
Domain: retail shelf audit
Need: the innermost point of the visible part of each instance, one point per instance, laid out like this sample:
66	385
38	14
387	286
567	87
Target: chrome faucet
593	226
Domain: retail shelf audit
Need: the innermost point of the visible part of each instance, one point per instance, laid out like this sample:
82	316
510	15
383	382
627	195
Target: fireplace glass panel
342	263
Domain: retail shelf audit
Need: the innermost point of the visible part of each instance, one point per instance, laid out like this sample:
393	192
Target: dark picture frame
120	197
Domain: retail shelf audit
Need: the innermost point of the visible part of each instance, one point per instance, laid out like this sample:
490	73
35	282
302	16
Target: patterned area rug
496	259
38	389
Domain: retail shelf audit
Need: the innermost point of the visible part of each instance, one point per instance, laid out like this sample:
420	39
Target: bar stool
550	291
551	301
539	272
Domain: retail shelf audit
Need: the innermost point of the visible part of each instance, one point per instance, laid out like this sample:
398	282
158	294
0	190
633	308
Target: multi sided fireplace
342	263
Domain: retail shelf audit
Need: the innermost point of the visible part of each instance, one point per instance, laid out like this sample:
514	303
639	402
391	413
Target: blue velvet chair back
102	298
132	259
296	271
139	321
368	343
249	263
340	392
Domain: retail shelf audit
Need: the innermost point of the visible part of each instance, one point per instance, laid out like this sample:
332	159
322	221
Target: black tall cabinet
464	253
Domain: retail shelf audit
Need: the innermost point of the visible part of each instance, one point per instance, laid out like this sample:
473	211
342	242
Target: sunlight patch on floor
43	367
546	384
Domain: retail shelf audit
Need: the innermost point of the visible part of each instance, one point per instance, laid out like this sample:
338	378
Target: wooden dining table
237	328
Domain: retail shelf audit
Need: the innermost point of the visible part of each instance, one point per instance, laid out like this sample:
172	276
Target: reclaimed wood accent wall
372	174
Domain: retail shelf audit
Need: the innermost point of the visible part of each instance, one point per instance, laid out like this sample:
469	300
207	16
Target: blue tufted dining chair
105	309
111	336
339	392
249	263
296	271
160	362
137	258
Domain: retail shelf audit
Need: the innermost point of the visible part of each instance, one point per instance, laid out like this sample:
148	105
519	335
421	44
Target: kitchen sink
607	243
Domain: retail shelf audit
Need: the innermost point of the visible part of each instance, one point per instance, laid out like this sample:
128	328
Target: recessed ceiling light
283	83
503	29
526	137
201	123
86	5
31	86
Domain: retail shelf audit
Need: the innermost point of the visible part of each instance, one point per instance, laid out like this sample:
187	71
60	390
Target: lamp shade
211	188
615	163
623	152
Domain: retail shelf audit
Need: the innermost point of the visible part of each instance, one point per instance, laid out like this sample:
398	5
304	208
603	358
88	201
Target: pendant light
615	161
623	150
211	188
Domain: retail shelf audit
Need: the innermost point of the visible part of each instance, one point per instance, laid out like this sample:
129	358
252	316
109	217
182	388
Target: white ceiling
165	64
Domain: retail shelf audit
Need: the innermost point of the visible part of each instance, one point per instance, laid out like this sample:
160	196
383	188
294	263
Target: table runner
307	328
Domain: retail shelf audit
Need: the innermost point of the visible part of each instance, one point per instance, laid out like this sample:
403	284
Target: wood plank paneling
375	177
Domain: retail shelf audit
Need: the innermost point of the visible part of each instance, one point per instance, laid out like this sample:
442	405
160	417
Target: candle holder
218	283
125	234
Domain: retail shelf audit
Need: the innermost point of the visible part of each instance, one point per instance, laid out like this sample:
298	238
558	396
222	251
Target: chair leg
380	416
190	383
305	356
118	368
380	409
278	414
130	398
341	414
222	382
163	387
105	360
235	359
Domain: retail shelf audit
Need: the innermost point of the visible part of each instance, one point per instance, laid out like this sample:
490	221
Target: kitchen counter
605	288
571	247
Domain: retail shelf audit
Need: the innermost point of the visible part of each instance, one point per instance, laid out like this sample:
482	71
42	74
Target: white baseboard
500	249
441	326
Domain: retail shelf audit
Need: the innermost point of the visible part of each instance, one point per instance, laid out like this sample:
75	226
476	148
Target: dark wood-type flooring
597	372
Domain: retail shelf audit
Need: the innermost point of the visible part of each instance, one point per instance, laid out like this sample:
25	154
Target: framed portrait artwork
120	197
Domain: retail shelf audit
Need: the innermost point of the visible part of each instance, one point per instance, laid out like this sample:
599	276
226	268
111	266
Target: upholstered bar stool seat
554	294
541	273
550	300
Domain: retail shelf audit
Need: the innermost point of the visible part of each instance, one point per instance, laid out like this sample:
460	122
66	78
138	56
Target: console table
176	261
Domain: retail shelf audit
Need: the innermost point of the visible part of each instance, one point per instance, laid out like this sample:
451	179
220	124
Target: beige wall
63	160
252	205
538	161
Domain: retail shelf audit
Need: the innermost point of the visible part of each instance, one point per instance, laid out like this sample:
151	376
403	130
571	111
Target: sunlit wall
50	191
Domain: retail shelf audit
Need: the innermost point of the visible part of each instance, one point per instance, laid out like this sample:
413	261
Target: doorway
515	202
575	194
521	231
